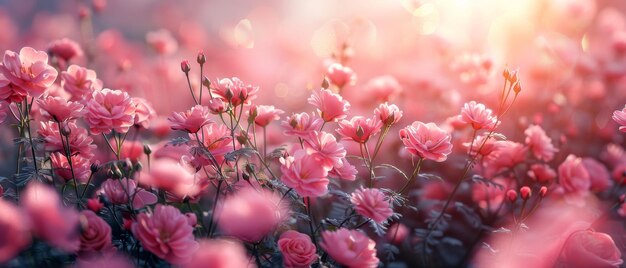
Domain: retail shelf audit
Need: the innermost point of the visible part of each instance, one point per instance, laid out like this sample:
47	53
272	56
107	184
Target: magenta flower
539	143
28	70
109	110
427	141
166	233
220	253
330	106
305	173
359	128
144	113
301	125
61	167
96	234
371	203
325	146
620	118
191	120
235	91
65	49
119	191
574	179
478	116
59	109
79	141
389	114
265	114
14	231
80	82
340	75
351	248
297	249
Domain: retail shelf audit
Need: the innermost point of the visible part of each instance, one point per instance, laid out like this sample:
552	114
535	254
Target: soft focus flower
59	109
131	150
397	233
588	248
351	248
166	233
297	249
28	70
478	116
96	234
14	235
216	138
65	49
162	42
330	106
489	197
79	141
389	114
80	82
383	88
81	167
598	174
574	179
359	128
426	141
507	155
109	110
192	120
325	146
620	118
220	253
305	173
340	75
171	176
234	91
95	261
144	113
346	171
119	191
482	146
301	125
541	173
246	206
265	114
371	203
539	143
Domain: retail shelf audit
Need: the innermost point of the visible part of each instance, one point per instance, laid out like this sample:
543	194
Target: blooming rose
297	249
305	173
351	248
426	141
109	110
478	116
359	128
192	120
587	248
574	179
95	235
28	70
301	125
371	203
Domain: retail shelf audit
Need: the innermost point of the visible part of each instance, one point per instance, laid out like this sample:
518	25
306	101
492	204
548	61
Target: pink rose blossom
301	125
330	106
144	113
389	114
119	191
539	143
109	110
171	176
217	139
96	234
59	109
235	92
162	42
598	174
620	118
383	88
297	249
220	253
340	75
541	173
28	70
478	116
305	173
325	146
359	129
265	114
426	141
80	82
14	231
587	248
80	165
346	171
79	141
574	179
351	248
166	233
191	120
372	203
65	49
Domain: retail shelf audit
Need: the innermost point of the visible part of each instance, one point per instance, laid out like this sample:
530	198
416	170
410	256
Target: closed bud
201	59
506	74
185	67
517	87
511	195
242	139
66	130
206	82
94	205
514	77
525	192
146	149
543	191
325	83
228	94
252	114
245	176
359	131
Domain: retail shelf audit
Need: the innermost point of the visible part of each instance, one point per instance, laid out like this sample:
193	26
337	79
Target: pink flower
144	113
507	155
51	221
305	173
487	197
80	82
301	125
248	205
265	114
220	253
217	106
10	92
109	110
541	173
359	129
162	42
297	249
346	171
340	75
234	91
166	233
217	139
14	231
389	114
620	118
478	116
28	70
191	120
426	141
171	176
131	150
59	109
330	106
61	167
574	179
587	248
371	203
487	148
598	174
96	234
383	88
397	233
65	49
119	191
79	140
325	146
539	143
351	248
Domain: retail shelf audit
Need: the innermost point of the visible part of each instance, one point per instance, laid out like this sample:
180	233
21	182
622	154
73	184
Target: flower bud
201	59
517	87
525	192
506	74
94	204
66	130
185	67
206	82
514	77
146	149
359	131
511	195
325	83
543	191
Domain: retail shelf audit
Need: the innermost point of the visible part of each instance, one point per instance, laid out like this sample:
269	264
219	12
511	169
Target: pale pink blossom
301	125
81	167
539	143
574	179
249	205
119	192
598	174
144	113
305	173
346	171
297	249
389	114
10	92
372	203
383	88
325	146
79	141
340	75
28	70
478	116
162	42
192	120
59	109
65	49
216	138
110	110
14	231
351	248
51	220
220	253
166	233
587	248
171	176
234	91
541	173
620	118
427	141
330	106
359	128
95	236
80	82
507	155
265	114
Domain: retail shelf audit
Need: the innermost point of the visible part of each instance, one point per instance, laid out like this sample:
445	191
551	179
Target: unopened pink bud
525	192
184	66
543	191
511	195
201	59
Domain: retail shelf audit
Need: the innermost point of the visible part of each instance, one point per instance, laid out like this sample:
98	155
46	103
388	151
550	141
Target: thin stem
191	88
264	143
201	76
416	171
307	202
217	195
